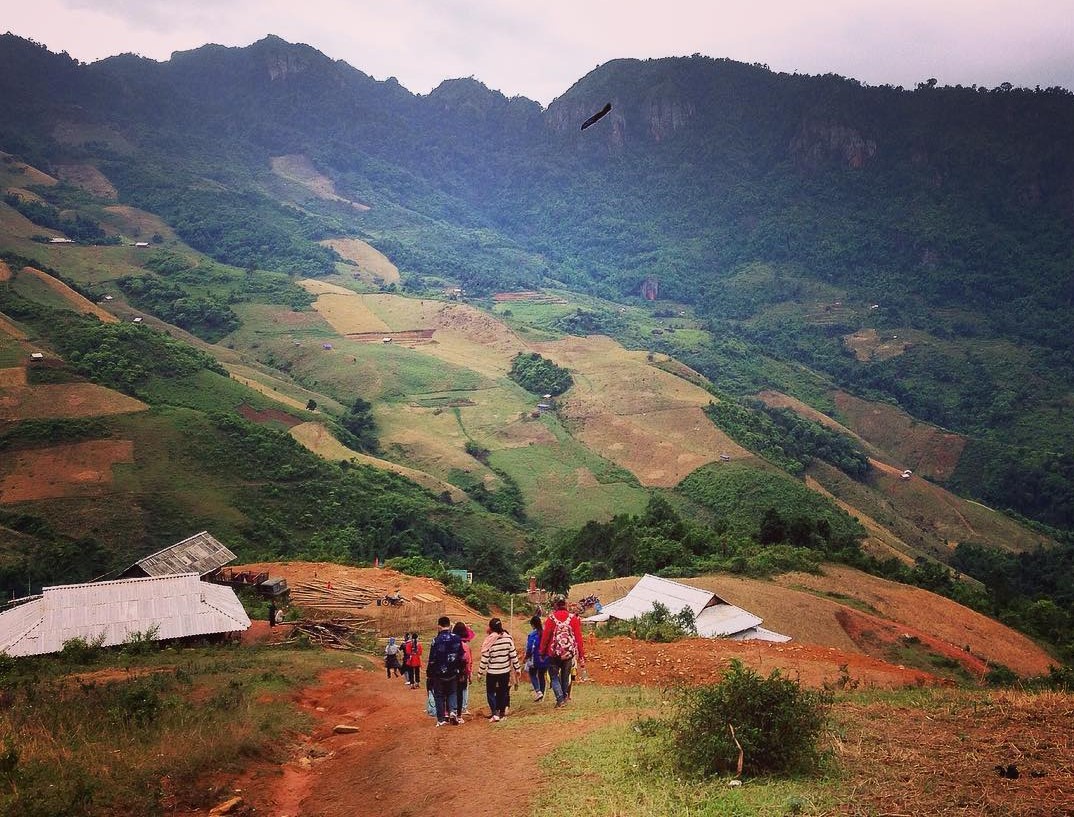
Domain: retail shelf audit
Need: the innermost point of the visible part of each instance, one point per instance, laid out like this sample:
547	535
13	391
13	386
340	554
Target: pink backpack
563	644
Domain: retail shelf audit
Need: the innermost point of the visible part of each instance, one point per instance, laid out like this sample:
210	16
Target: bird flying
597	116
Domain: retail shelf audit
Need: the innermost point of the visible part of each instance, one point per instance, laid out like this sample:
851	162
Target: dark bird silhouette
597	116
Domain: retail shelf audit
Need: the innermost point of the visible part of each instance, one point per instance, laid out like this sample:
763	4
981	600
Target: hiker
561	643
412	660
443	669
272	614
465	635
391	657
536	664
498	658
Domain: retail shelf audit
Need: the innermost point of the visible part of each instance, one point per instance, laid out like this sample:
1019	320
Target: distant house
713	617
141	243
170	607
385	340
137	320
37	356
60	240
202	554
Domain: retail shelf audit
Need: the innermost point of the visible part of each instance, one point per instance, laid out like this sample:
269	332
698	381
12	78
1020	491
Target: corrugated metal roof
179	606
201	553
672	595
723	620
712	620
760	634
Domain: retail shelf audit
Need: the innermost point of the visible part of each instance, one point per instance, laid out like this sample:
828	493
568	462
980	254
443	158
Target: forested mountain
791	211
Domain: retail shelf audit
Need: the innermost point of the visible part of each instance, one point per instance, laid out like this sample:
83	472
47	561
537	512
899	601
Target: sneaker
538	697
494	719
454	719
441	723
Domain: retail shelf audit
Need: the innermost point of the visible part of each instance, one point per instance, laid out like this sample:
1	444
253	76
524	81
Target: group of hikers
554	651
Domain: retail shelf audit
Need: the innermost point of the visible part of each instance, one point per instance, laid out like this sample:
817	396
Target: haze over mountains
819	238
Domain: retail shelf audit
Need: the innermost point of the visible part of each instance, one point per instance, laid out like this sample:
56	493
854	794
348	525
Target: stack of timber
335	595
333	633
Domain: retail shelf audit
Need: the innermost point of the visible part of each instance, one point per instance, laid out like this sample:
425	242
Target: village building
713	617
201	553
109	613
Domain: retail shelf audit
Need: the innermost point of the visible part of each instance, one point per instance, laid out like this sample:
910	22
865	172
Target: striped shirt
500	657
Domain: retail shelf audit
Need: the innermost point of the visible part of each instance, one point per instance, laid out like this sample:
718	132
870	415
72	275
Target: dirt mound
75	469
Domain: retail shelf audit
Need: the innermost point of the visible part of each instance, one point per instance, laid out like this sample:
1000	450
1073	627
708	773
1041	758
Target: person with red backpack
412	661
561	643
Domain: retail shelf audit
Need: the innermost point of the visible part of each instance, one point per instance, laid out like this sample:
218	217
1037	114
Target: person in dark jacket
445	665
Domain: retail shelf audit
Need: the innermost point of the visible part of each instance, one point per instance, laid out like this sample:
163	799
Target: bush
659	625
777	723
79	651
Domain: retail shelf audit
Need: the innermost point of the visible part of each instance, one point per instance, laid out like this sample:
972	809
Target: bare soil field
26	174
409	336
317	438
64	400
5	272
15	376
77	302
64	470
372	263
532	296
268	416
89	178
929	450
299	169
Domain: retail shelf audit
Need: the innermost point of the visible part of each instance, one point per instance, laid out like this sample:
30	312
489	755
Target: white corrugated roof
712	620
651	589
724	620
760	634
179	606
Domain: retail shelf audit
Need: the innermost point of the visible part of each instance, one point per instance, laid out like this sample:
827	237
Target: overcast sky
539	49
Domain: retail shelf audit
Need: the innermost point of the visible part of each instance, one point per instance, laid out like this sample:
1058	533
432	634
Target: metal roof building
201	553
713	617
177	606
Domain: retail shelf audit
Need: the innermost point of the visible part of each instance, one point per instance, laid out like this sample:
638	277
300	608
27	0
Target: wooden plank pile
335	595
333	633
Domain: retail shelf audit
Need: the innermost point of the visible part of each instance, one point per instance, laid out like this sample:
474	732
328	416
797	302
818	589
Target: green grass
616	771
11	352
122	746
209	391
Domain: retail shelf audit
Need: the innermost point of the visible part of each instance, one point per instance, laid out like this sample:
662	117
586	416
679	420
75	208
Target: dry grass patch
879	542
934	615
929	450
936	753
318	439
89	178
136	223
298	168
75	301
348	314
63	470
868	345
372	263
15	376
64	400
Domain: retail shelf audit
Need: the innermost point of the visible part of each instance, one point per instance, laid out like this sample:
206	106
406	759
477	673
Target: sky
539	49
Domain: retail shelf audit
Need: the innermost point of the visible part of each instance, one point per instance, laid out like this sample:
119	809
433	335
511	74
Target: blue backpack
445	656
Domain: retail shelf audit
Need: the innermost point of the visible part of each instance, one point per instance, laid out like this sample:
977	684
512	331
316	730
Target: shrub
659	625
79	651
777	723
